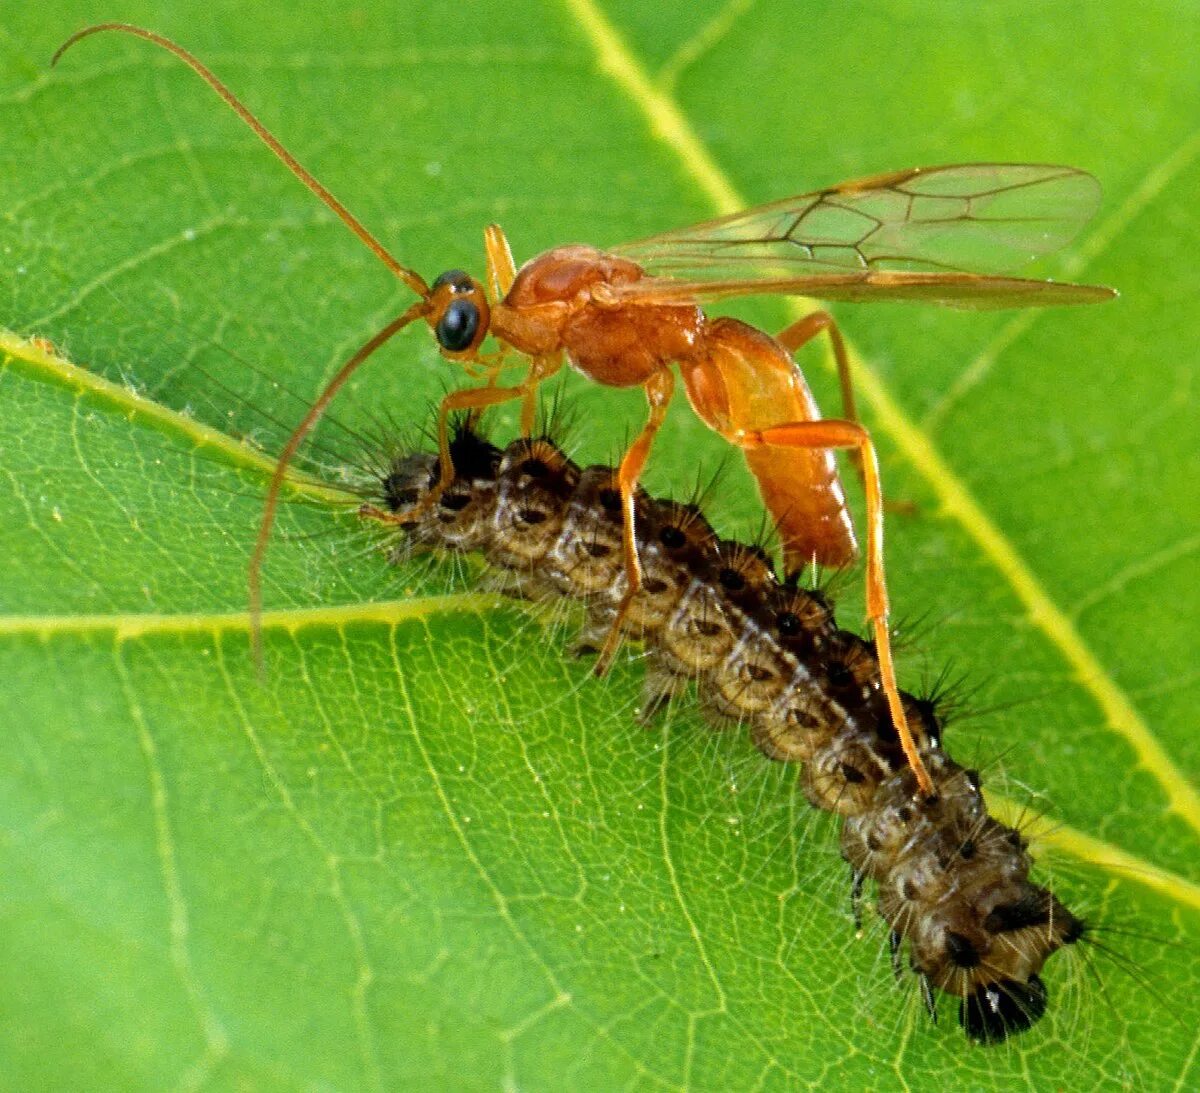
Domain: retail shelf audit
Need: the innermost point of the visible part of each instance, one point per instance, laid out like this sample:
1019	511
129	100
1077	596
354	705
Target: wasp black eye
456	328
458	279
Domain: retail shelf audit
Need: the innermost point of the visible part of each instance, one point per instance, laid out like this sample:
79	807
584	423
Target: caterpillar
952	881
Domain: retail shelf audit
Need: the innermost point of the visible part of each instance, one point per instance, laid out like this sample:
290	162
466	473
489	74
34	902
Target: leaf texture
430	850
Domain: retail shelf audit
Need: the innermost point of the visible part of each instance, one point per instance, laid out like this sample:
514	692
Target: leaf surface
431	850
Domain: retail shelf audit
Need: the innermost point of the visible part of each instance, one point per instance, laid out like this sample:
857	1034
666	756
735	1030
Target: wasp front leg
473	400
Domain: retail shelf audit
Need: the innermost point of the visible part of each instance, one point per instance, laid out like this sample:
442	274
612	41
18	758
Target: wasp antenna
271	504
408	276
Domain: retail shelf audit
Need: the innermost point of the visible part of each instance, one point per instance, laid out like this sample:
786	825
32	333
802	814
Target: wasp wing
964	290
930	233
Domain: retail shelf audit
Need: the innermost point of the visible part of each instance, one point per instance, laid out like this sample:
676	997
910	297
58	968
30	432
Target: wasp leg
803	331
850	435
659	388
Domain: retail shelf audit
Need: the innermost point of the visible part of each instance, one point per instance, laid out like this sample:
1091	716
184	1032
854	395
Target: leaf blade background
454	124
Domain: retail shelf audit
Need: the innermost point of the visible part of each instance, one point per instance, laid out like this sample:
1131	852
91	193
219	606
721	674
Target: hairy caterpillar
952	881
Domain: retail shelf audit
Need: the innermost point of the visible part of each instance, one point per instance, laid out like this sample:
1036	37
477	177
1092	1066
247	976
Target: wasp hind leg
850	435
799	334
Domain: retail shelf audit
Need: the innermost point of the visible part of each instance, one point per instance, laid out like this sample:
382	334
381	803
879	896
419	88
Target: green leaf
430	850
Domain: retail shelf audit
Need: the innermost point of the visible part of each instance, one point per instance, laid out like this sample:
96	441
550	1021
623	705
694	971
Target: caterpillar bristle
952	881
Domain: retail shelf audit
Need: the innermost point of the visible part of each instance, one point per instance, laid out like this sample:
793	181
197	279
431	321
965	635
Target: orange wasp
628	316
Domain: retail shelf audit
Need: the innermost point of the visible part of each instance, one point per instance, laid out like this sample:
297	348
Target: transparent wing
973	291
979	218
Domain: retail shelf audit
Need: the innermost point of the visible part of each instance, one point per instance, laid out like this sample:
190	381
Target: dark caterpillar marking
952	881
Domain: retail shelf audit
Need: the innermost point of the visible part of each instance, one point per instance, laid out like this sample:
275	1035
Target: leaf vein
23	354
216	1041
364	974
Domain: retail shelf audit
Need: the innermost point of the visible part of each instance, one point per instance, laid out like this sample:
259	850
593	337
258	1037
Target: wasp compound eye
456	328
458	280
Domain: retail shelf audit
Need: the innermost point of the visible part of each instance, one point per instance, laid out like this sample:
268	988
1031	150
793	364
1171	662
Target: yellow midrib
41	360
126	626
667	122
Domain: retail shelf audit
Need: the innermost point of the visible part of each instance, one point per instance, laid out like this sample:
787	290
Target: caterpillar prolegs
952	881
